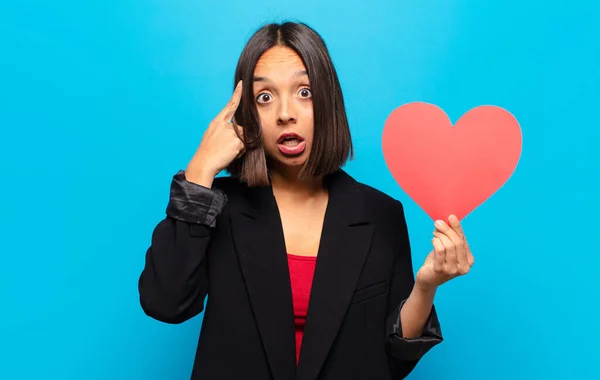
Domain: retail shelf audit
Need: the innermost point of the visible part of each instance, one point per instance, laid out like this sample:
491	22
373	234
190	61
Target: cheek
306	109
265	124
309	122
268	132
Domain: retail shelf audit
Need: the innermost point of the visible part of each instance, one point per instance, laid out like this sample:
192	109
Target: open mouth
291	144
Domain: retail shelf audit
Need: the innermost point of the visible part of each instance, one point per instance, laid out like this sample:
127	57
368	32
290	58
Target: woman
308	272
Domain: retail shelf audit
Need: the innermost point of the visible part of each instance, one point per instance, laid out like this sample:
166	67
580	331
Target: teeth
292	142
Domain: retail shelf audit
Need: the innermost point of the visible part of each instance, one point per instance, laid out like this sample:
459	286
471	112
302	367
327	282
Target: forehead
279	62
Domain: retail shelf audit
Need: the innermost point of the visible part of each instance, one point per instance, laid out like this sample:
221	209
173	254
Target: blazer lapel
344	246
260	244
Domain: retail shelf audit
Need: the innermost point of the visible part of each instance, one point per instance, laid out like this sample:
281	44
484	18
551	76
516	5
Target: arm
412	326
416	311
174	283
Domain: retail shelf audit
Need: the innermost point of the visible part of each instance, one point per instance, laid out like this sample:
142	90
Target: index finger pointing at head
229	110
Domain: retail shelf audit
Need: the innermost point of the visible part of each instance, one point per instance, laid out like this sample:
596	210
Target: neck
287	182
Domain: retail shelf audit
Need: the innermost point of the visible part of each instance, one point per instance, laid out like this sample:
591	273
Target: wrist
425	289
200	177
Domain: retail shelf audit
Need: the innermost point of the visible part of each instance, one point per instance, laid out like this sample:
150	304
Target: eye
305	93
263	98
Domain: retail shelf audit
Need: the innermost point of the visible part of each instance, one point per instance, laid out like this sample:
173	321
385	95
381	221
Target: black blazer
227	243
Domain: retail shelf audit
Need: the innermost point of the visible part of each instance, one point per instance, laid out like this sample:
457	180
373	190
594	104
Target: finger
470	258
463	258
238	128
440	255
456	226
444	228
239	131
450	249
227	113
241	153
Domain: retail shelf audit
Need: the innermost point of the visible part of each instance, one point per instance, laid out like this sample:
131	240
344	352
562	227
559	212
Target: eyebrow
265	79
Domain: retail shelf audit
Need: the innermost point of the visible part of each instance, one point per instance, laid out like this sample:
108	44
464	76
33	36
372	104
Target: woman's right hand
220	145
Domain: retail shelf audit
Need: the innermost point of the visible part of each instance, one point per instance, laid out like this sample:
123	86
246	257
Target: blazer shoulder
385	210
237	192
378	197
228	185
380	205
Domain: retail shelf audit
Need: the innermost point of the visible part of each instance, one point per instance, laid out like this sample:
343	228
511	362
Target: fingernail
439	223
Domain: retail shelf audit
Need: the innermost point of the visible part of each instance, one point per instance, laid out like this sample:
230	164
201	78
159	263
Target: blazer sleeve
174	281
405	353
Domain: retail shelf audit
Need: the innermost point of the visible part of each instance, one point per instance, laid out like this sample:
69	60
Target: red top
301	275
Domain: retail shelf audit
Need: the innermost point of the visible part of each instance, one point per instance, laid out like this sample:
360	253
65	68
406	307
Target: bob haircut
332	143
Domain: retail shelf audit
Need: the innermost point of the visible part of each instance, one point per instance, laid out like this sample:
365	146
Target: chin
293	161
282	160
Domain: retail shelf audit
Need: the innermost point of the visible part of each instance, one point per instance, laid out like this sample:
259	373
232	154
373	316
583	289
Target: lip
291	151
289	135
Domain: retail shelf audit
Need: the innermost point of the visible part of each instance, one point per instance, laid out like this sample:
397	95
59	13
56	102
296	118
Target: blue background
102	102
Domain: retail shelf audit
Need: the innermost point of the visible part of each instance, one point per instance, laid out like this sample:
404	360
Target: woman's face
284	102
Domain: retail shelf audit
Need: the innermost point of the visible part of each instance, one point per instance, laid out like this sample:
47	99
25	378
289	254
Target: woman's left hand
451	256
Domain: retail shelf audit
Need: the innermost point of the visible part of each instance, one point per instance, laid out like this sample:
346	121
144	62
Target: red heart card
449	169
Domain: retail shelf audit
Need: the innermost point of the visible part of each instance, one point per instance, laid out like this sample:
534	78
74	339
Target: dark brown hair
332	143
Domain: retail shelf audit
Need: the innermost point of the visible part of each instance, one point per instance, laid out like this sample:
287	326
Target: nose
287	112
